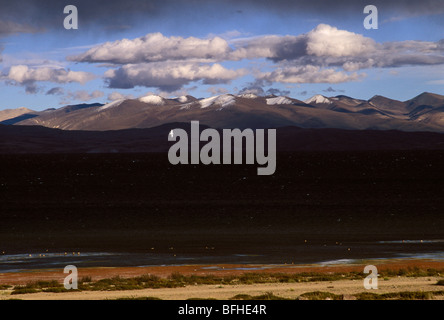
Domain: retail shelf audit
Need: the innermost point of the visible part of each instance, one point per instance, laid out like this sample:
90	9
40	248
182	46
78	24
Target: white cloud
326	40
308	74
358	65
32	61
155	47
169	76
327	46
23	74
324	54
323	41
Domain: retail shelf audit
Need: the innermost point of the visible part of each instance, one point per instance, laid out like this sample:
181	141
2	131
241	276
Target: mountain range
424	112
41	140
320	123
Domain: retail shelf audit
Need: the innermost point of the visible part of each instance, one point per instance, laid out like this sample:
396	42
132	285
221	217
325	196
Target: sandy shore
287	290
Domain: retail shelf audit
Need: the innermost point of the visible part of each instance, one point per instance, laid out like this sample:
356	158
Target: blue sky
203	48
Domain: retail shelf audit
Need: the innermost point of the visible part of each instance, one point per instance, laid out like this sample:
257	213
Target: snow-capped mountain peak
113	104
224	100
278	100
318	99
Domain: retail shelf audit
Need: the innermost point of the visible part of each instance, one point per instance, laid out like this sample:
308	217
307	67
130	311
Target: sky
297	48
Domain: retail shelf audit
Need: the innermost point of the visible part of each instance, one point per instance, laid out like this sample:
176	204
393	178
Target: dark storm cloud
329	7
20	16
324	54
48	14
9	27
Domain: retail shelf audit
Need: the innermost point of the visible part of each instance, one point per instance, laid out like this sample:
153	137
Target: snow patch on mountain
224	100
318	99
278	100
111	105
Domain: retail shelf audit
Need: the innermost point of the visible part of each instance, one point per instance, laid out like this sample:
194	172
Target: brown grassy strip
321	295
179	280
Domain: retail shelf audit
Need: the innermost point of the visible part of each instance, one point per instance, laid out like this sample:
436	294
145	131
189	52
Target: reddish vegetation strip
202	270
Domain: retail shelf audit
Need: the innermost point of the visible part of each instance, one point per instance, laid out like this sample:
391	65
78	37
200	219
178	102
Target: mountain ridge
424	112
42	140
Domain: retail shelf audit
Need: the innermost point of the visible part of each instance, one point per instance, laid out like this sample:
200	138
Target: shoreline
98	273
348	288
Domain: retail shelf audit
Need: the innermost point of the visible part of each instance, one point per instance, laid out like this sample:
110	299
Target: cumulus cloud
323	41
326	40
30	77
325	54
23	74
324	45
308	74
169	76
328	46
155	47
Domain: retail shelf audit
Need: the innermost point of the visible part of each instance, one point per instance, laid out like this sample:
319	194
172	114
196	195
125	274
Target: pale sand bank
286	290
